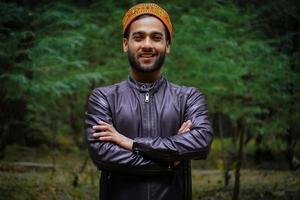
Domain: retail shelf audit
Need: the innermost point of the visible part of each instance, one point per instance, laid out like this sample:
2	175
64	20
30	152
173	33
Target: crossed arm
112	151
107	133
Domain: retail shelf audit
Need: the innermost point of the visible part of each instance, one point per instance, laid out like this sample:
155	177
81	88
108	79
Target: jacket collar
146	87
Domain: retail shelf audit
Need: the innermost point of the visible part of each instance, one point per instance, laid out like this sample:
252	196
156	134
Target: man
142	132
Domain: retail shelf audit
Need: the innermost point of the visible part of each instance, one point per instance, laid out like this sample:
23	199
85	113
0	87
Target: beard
136	65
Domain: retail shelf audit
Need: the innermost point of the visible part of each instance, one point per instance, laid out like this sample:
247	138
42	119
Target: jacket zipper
147	97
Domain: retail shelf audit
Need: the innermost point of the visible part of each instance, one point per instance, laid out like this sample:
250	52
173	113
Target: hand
106	132
185	127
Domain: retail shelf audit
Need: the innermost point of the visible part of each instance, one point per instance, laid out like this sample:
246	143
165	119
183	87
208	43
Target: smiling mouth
147	55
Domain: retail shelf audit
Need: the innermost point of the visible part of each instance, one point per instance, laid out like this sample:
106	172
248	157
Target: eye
157	37
137	37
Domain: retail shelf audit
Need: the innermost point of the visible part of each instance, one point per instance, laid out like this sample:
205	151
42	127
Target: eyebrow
152	33
157	33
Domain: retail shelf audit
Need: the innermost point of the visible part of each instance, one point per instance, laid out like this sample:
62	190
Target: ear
125	45
168	46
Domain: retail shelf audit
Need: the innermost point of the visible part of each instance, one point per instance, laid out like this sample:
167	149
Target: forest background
242	54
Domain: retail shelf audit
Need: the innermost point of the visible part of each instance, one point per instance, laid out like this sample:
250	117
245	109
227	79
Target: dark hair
126	32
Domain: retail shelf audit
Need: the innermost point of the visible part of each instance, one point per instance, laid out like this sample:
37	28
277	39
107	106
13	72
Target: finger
107	125
186	130
106	138
100	127
182	127
188	126
101	134
185	126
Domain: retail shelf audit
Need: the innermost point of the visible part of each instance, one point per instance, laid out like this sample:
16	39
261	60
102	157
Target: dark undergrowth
28	174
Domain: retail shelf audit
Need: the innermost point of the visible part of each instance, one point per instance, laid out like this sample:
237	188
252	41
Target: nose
147	44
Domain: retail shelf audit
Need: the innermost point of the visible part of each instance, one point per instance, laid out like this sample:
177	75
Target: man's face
146	44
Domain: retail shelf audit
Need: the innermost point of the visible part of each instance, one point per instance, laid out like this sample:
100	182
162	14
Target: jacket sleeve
109	156
194	144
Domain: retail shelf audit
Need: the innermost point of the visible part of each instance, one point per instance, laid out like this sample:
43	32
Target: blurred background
242	54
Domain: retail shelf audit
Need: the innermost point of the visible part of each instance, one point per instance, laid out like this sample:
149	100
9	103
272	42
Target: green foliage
240	73
55	53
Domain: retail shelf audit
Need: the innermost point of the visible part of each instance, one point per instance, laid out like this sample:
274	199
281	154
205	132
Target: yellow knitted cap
147	8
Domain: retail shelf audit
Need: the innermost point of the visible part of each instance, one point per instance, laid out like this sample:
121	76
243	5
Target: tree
239	71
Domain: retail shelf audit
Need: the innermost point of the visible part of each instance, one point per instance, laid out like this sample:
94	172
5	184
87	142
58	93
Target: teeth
147	55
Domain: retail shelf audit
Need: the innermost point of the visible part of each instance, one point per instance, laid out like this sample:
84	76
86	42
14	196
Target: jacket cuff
141	144
135	147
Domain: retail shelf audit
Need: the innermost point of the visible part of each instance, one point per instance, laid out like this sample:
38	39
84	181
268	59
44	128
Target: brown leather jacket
151	114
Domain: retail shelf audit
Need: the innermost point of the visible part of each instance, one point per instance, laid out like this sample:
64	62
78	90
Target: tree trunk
3	140
236	190
53	147
225	167
77	175
290	139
